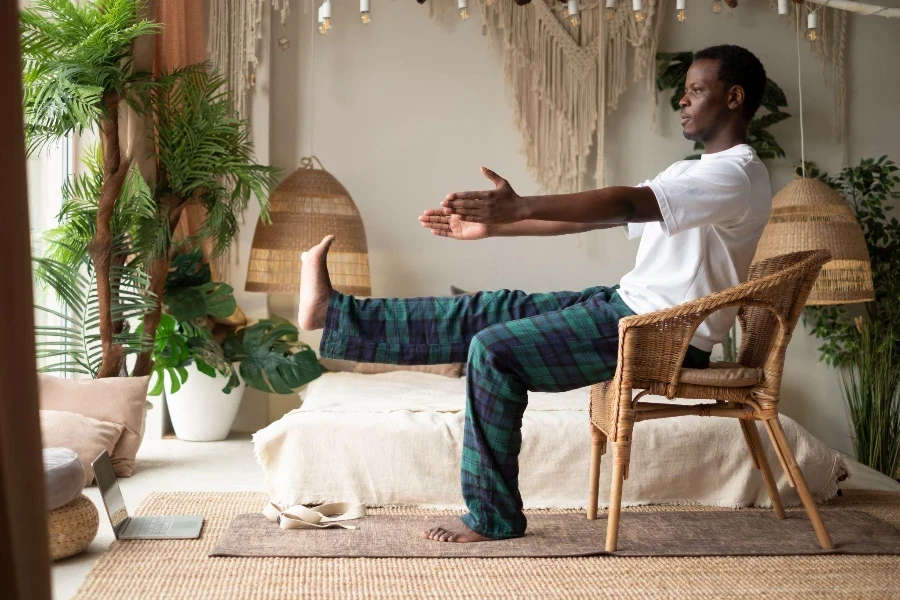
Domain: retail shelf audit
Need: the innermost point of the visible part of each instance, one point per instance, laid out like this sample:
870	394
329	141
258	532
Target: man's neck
725	140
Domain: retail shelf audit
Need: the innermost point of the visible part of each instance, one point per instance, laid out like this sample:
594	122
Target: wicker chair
651	351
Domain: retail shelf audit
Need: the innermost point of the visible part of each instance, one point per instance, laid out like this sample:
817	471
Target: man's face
704	107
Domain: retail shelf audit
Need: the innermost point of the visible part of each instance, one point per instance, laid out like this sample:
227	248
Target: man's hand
452	226
500	205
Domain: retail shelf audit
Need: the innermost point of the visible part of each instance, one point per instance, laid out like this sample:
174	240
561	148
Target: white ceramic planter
200	410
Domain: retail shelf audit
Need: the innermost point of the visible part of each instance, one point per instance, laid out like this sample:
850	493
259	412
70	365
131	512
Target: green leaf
272	360
186	304
188	270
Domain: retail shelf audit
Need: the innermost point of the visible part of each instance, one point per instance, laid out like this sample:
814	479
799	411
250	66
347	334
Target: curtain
24	550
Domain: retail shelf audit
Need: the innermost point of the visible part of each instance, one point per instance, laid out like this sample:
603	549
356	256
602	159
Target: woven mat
181	569
668	533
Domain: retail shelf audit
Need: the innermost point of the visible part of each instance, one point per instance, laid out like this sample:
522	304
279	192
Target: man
699	223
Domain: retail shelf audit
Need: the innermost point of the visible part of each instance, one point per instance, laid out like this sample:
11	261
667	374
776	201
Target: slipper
321	517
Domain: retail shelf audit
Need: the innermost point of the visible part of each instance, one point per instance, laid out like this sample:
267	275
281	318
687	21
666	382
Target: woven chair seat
722	374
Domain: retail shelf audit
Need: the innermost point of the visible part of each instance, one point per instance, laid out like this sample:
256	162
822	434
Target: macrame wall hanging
235	28
560	76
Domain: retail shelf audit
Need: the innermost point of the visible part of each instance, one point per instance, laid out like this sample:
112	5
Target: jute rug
665	533
181	569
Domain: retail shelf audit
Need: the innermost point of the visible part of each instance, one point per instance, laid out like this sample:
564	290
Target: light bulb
489	2
812	22
463	9
638	6
326	16
322	29
574	13
680	5
610	9
365	14
717	6
783	7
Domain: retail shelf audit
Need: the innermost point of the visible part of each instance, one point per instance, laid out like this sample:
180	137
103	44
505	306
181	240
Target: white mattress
396	439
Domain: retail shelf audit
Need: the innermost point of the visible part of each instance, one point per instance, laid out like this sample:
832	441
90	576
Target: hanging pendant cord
312	86
800	90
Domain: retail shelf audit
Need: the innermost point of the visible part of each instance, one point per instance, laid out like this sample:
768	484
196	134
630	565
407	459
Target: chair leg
620	470
780	454
809	502
757	454
598	448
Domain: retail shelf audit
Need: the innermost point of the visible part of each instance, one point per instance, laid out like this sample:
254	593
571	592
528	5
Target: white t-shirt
714	211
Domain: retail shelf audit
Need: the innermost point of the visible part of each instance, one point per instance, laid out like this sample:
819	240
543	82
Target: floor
166	465
169	465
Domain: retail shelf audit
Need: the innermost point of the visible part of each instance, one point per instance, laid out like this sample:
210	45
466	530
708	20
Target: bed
396	438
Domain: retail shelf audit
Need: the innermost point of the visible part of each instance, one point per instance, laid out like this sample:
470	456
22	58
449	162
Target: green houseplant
79	75
864	343
207	352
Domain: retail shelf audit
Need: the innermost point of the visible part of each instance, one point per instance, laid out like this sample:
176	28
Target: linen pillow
447	370
86	437
113	399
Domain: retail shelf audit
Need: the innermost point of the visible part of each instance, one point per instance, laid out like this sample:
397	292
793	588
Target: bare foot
315	287
455	531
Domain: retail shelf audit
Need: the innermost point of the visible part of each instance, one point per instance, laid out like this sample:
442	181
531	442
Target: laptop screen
109	489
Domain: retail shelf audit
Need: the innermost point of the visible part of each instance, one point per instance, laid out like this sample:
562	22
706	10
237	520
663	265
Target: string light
610	9
463	9
812	23
574	13
679	6
365	13
325	21
783	7
717	6
638	6
322	29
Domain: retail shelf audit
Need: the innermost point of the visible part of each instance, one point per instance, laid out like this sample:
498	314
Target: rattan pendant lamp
807	214
303	209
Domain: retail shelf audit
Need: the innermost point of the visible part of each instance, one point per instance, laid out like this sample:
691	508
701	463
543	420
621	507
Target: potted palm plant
109	258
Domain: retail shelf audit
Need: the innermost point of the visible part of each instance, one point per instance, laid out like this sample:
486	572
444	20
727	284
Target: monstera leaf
171	354
187	304
272	359
210	360
188	270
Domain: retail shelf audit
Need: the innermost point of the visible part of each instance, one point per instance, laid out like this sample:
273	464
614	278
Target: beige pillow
84	436
447	370
112	399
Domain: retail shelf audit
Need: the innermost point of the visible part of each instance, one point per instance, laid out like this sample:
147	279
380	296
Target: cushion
112	399
63	476
338	366
722	374
447	370
87	437
71	528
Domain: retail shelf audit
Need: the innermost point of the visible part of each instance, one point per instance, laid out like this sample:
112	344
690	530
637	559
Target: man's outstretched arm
454	226
608	206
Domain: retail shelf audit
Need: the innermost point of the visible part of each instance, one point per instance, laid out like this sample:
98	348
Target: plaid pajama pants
514	342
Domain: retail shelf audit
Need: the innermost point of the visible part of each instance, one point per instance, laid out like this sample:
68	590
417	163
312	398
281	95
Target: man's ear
736	97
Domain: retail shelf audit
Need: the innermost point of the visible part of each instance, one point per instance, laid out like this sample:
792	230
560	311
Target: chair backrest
762	346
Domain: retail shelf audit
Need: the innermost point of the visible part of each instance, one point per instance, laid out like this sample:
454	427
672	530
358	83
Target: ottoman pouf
72	527
63	476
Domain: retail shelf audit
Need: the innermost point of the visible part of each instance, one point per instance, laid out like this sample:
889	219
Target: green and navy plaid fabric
514	342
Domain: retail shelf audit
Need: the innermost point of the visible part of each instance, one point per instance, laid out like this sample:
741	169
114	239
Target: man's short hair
739	66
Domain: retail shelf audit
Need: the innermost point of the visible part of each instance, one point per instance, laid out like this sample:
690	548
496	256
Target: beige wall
408	108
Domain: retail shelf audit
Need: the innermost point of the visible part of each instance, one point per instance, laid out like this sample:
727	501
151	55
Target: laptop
139	528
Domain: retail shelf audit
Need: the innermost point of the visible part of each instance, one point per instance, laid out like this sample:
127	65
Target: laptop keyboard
150	526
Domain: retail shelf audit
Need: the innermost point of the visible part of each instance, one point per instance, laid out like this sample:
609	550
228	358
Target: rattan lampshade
808	215
303	209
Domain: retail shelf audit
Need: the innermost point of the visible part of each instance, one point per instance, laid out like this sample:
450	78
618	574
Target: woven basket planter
72	527
808	215
303	209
